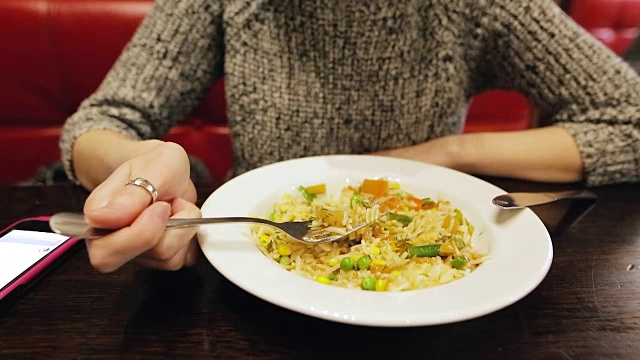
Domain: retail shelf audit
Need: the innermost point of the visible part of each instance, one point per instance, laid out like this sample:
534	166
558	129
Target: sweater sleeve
167	67
575	82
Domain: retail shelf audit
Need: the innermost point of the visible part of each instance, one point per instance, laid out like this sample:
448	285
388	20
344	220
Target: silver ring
145	184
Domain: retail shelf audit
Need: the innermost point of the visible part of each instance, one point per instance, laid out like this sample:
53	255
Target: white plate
518	244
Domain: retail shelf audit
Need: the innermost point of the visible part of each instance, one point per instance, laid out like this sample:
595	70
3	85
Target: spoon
520	200
75	225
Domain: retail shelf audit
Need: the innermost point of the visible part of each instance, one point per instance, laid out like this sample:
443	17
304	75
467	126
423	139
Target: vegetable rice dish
413	243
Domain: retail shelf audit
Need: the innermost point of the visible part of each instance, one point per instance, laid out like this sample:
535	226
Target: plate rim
376	321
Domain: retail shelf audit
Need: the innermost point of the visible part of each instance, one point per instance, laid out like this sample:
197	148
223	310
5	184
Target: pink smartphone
28	247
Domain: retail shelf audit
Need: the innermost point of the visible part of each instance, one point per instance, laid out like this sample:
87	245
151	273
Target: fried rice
418	243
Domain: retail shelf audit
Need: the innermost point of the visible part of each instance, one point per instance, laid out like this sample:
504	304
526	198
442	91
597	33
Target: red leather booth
613	22
56	52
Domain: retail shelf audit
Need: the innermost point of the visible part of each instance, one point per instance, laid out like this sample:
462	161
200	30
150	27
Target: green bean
430	250
459	262
306	194
355	200
427	201
459	217
402	219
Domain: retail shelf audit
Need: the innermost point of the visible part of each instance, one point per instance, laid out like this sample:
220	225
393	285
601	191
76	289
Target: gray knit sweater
352	76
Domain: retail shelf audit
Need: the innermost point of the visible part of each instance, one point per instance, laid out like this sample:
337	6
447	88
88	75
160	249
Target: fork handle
182	223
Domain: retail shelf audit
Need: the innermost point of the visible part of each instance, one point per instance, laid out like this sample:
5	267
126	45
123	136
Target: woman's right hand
142	236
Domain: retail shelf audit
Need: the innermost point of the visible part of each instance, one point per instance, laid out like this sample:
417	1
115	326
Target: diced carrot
391	204
416	203
353	189
330	217
377	187
430	206
375	268
317	189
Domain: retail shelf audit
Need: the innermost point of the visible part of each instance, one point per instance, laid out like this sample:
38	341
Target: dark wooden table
587	307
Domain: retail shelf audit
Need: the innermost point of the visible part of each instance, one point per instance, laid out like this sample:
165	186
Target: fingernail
162	210
109	208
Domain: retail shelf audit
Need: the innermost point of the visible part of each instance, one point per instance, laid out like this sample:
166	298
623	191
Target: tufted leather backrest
55	53
613	22
58	51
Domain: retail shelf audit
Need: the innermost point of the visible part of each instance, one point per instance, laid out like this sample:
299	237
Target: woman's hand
142	236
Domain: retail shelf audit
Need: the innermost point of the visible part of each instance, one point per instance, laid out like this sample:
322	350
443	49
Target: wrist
444	151
462	151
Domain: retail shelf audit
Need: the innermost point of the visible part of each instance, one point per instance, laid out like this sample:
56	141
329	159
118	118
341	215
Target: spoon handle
568	194
572	194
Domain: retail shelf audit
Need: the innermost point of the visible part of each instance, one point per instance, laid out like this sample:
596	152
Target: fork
75	225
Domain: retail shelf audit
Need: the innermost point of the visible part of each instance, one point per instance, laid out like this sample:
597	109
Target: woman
324	77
